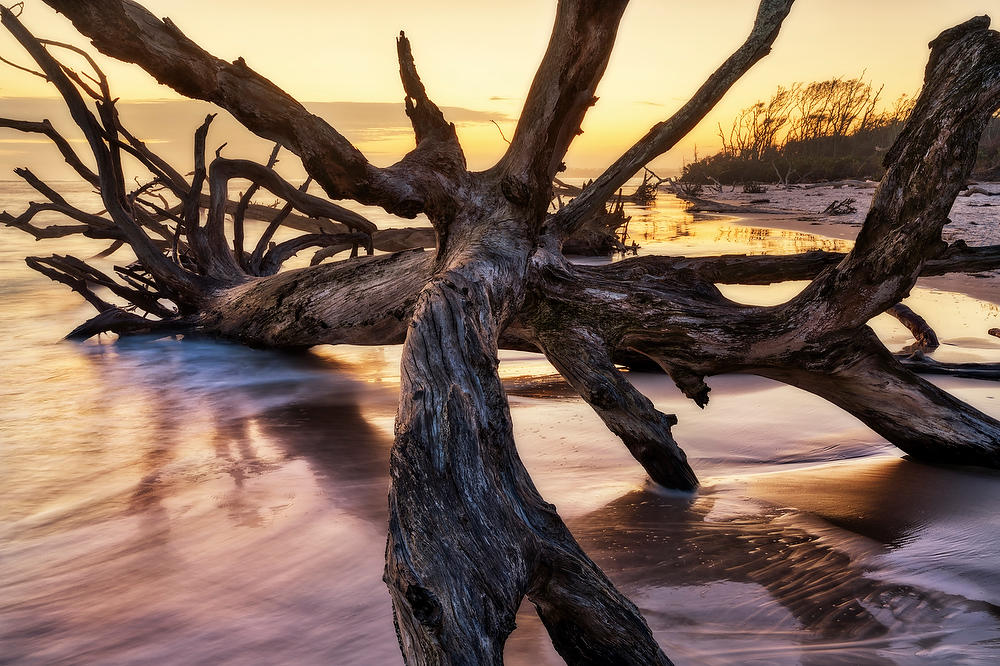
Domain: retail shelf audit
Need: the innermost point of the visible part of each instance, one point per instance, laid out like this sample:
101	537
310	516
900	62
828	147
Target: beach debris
921	363
716	186
603	233
924	336
841	207
645	192
691	189
469	535
978	190
782	179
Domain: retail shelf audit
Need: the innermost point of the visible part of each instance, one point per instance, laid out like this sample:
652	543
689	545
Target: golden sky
480	57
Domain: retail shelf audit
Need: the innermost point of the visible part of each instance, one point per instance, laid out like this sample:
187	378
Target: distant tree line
824	130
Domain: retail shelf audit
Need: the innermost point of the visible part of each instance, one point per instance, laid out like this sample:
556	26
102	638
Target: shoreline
984	286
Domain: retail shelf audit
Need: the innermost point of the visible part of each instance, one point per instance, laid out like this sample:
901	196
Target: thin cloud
171	123
350	116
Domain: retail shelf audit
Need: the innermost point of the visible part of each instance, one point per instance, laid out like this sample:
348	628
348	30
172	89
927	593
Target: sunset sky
480	57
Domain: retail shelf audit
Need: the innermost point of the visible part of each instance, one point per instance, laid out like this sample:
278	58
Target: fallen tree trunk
920	362
768	269
469	535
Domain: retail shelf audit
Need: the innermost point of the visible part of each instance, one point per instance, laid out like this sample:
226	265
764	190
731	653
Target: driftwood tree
469	535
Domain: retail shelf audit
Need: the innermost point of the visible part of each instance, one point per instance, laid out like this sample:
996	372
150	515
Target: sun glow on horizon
480	58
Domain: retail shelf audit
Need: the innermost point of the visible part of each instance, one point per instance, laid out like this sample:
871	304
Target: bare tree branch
768	269
95	226
258	252
239	215
923	335
116	320
112	190
927	167
220	173
193	199
46	128
663	136
583	359
127	31
51	268
560	95
426	117
282	252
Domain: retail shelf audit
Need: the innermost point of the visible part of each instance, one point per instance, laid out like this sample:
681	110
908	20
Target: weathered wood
768	269
923	364
461	502
921	419
239	215
583	359
923	335
112	192
127	31
469	535
664	135
560	95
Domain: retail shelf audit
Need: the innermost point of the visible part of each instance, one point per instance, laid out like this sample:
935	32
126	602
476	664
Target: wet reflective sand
197	502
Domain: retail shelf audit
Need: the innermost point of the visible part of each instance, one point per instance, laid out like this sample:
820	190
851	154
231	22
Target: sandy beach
195	501
975	219
324	381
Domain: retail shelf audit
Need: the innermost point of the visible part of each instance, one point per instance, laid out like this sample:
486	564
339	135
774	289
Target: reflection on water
238	512
233	510
709	565
666	227
196	502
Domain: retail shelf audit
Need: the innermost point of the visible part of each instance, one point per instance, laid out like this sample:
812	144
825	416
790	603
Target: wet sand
198	502
974	219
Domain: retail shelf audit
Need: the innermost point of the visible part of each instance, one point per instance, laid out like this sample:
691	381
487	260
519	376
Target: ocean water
200	502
